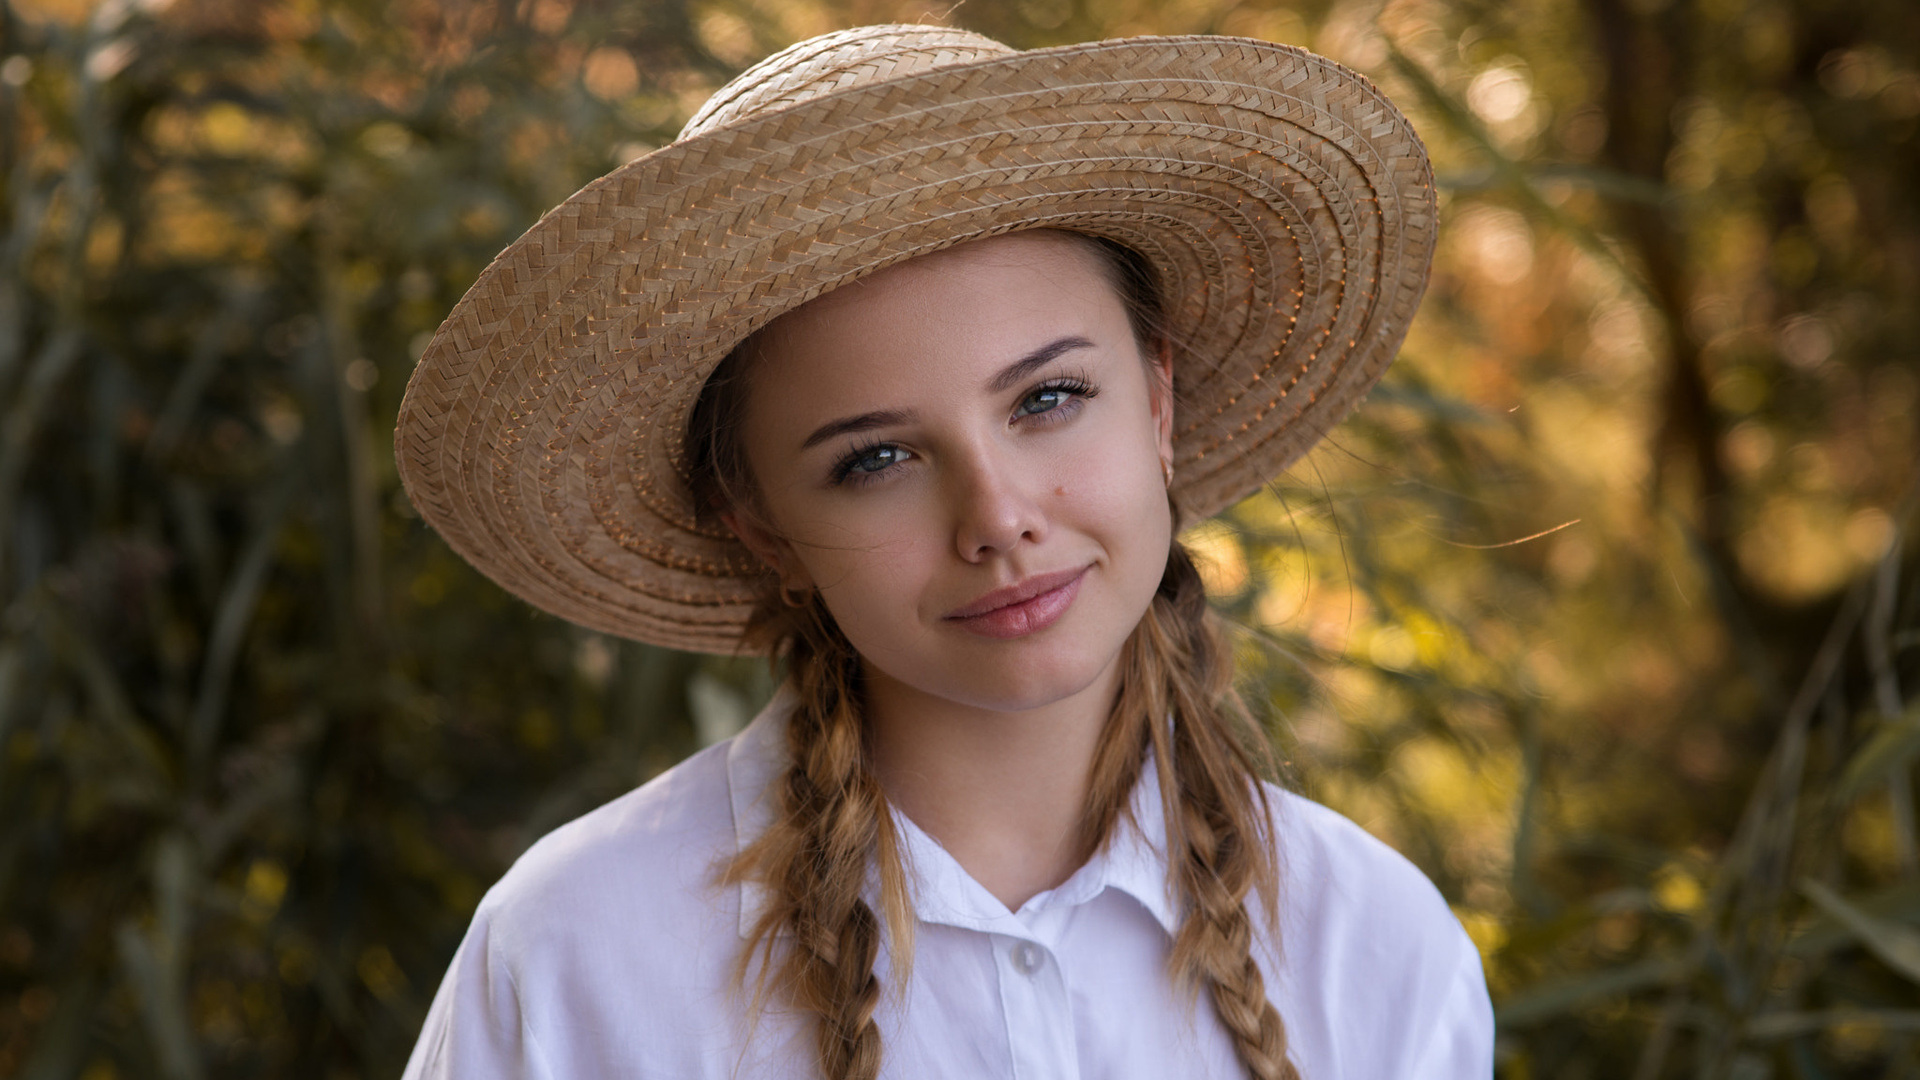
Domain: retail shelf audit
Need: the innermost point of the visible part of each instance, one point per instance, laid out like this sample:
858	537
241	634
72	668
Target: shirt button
1027	958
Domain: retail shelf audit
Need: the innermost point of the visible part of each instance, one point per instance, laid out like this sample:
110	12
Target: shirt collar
1133	861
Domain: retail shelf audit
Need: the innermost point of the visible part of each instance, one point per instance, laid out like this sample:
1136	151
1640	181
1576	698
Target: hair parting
815	943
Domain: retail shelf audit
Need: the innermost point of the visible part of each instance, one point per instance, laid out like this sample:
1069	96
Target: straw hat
1285	203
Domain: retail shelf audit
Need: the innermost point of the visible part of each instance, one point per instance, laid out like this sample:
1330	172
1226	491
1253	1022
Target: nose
994	510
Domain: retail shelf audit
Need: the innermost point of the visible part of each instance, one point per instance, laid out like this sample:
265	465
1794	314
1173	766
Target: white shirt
608	951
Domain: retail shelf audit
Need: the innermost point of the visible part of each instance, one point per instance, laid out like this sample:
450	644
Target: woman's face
963	454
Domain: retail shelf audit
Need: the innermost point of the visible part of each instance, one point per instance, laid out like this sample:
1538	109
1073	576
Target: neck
1002	791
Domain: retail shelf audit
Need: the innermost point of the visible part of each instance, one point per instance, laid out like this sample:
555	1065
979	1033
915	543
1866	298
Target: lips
1025	607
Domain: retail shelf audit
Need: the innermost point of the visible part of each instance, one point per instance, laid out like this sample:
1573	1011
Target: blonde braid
814	858
1216	871
1219	835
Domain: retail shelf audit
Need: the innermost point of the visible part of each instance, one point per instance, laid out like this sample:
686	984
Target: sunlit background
1604	609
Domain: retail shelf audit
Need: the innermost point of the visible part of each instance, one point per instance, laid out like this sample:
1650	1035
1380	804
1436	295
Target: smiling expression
962	453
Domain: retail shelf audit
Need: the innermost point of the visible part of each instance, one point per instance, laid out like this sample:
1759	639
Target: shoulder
1330	865
649	860
633	890
1368	944
611	947
1342	889
610	935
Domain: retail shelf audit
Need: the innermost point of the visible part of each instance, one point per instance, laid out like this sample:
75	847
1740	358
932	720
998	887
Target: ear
770	548
1160	396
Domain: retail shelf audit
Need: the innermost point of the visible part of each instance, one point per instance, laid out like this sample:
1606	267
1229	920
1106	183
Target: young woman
901	365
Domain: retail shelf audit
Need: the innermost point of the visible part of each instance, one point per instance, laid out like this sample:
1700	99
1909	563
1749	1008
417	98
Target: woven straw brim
1287	206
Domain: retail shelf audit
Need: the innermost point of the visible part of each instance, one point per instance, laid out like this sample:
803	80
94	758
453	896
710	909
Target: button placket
1039	1017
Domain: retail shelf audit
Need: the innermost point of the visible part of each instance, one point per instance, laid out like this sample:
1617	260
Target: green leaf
1788	1025
1897	903
1555	997
1894	745
155	960
1898	946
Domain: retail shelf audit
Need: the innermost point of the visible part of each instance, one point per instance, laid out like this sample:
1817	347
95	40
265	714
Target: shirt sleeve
477	1028
1460	1046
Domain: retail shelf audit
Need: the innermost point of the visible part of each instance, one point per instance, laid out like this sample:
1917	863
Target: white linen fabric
609	951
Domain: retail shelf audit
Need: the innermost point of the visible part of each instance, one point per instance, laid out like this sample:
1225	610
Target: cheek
871	568
1125	508
861	538
877	607
1115	485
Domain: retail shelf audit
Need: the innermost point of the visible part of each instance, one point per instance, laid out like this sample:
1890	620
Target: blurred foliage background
1604	610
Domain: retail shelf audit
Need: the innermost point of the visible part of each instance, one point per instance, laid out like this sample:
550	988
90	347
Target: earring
787	597
1166	471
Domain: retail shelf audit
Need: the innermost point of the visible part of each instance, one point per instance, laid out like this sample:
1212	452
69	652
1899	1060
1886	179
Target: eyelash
1077	388
843	473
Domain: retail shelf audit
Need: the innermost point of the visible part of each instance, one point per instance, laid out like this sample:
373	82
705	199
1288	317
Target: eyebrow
1034	360
1008	377
851	424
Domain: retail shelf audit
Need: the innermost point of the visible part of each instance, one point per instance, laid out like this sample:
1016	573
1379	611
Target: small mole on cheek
1061	491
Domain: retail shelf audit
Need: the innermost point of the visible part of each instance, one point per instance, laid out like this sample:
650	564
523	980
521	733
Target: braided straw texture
1286	204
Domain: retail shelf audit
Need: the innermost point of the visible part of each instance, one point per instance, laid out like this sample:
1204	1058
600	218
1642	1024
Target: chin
1018	679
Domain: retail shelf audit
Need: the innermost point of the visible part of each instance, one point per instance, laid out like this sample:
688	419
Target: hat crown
837	61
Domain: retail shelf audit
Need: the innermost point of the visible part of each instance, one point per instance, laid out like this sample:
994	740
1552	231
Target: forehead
968	301
964	266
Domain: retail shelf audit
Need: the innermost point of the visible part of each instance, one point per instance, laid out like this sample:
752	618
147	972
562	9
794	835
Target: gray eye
877	459
1044	400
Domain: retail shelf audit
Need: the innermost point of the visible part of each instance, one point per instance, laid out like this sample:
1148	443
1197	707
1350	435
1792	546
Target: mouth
1025	607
